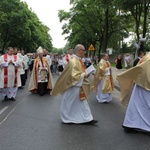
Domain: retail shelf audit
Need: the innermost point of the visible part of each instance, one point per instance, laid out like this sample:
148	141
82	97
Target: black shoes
6	98
130	130
13	99
105	102
91	122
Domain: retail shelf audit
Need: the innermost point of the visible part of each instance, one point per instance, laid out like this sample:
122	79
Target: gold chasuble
101	74
72	74
139	75
33	84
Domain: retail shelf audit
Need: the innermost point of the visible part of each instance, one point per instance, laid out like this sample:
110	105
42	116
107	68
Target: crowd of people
73	84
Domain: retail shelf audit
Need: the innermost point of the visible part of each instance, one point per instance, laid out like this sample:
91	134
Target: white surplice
11	89
22	63
138	110
73	110
67	56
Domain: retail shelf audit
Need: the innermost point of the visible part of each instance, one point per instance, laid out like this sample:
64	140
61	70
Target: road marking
1	111
12	109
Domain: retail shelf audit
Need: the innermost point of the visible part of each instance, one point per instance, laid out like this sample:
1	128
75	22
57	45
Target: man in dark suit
140	55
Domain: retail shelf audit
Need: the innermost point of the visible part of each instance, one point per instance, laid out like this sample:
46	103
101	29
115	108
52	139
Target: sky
47	12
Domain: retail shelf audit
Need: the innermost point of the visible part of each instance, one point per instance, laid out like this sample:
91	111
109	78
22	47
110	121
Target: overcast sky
47	11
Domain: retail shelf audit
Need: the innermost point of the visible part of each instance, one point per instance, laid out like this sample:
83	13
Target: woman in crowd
60	64
118	62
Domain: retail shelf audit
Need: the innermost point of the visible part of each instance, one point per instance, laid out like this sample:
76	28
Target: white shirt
48	59
60	62
69	57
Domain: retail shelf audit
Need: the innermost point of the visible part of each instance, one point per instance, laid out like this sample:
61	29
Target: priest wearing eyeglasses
74	86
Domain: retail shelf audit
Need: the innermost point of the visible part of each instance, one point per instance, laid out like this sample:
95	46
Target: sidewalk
115	72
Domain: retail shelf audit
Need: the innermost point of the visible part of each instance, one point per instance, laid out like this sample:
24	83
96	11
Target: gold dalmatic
71	75
140	75
107	80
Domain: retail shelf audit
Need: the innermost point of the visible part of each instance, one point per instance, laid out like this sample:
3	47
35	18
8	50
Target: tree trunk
5	41
105	41
146	5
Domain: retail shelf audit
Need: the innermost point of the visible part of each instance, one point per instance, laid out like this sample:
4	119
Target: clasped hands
86	75
11	62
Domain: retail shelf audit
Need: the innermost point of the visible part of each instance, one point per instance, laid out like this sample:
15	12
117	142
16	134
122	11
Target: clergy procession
74	86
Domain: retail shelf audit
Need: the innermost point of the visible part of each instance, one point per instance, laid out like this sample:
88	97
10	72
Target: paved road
33	123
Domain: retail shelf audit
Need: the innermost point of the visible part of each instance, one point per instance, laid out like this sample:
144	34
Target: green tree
20	27
92	22
139	11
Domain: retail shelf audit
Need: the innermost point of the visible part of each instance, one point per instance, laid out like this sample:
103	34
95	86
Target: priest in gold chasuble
135	94
103	84
75	89
41	80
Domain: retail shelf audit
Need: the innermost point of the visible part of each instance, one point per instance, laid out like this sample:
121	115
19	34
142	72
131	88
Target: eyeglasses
82	49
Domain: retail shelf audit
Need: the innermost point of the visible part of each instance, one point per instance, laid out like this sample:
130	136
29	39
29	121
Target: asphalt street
33	122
